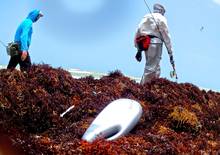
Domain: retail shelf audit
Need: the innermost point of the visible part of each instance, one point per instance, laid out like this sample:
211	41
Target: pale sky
97	35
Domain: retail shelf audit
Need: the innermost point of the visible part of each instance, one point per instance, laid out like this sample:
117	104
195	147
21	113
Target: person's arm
141	27
166	36
138	55
167	40
24	36
25	40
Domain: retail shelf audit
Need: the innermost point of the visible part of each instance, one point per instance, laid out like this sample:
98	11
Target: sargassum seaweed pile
176	119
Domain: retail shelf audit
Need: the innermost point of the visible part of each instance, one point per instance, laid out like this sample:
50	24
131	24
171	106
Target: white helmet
158	8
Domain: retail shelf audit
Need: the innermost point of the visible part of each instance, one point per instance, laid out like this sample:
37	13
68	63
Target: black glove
138	56
171	60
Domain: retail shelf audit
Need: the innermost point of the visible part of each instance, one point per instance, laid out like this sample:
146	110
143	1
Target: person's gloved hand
173	74
24	55
171	60
138	56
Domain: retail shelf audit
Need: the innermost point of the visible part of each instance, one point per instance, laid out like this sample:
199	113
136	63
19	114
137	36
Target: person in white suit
152	32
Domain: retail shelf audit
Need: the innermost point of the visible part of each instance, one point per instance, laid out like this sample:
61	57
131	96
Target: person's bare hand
24	55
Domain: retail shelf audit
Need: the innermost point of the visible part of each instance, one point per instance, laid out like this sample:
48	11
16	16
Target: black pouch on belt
12	49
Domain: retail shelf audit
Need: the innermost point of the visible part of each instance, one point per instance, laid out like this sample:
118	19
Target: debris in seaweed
182	118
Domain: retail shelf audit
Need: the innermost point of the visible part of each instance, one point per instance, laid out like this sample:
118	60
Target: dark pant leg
13	62
26	64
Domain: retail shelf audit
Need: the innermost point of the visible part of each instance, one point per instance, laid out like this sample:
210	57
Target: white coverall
153	55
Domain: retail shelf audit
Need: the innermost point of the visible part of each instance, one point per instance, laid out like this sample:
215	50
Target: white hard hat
158	8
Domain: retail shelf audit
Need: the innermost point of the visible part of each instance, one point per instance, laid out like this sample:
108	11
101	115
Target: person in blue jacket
23	39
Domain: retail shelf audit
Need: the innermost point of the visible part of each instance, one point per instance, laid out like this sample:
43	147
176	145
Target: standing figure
151	33
23	40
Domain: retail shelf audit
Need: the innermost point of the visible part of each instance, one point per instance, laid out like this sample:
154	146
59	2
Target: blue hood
33	15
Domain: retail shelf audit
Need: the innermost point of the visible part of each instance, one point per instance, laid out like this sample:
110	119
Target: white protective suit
153	55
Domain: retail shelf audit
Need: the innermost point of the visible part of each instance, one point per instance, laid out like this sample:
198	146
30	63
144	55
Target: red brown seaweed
177	118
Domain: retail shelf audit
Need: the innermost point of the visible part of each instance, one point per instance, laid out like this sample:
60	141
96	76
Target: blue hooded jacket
24	31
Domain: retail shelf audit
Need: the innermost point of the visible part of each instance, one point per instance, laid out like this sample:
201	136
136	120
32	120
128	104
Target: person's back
24	26
150	23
